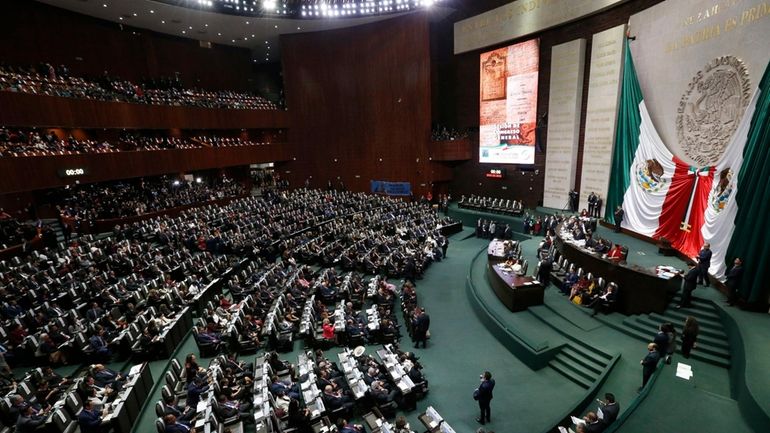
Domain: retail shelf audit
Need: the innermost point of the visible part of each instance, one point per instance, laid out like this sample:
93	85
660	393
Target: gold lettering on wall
748	16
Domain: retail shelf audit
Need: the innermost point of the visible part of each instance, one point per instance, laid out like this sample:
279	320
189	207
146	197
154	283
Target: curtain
751	241
626	136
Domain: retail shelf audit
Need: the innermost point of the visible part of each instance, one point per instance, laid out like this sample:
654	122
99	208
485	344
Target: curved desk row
640	290
517	292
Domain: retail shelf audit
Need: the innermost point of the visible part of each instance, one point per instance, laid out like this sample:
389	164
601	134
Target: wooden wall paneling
89	46
123	165
22	109
359	95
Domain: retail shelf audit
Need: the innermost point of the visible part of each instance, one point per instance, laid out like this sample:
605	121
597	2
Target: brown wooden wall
458	83
33	32
38	172
360	95
23	109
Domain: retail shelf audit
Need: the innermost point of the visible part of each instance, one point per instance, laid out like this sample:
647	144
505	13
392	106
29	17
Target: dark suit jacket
89	421
704	258
734	276
610	412
28	424
691	279
177	428
485	390
650	362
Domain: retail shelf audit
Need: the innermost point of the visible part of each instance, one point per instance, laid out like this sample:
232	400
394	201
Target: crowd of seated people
13	232
33	142
494	205
43	400
132	198
44	79
442	133
226	141
97	299
583	289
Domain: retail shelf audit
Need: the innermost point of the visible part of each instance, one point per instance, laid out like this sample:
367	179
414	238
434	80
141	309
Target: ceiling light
104	5
134	14
268	5
152	11
219	34
163	21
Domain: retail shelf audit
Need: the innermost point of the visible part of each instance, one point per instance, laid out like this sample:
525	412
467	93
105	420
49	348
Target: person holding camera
484	396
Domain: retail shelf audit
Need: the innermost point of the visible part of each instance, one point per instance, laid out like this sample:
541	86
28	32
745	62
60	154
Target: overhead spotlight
269	5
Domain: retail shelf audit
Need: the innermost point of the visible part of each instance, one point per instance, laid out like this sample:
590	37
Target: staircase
713	345
581	365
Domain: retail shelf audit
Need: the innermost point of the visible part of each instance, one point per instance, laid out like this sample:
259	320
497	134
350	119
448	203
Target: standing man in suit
733	283
690	283
649	363
420	327
484	396
592	204
704	262
619	214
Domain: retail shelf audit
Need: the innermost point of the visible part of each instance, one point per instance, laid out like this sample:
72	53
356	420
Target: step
578	357
716	333
576	367
715	337
567	372
695	354
704	307
704	322
706	345
596	355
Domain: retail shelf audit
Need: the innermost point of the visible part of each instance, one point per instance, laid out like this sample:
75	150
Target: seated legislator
616	253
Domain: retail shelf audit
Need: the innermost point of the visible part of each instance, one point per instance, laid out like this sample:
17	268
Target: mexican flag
662	195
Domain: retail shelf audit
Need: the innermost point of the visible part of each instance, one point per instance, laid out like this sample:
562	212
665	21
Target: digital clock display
72	172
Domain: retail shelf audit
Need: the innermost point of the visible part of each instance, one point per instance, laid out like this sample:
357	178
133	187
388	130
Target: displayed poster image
508	104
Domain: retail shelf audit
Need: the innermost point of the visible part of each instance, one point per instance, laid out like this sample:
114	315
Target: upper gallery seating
47	80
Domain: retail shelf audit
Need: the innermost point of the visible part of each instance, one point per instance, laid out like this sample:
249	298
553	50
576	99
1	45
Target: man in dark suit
704	262
89	419
610	409
420	327
194	391
690	284
733	283
592	204
619	214
649	363
170	407
484	396
29	420
174	426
